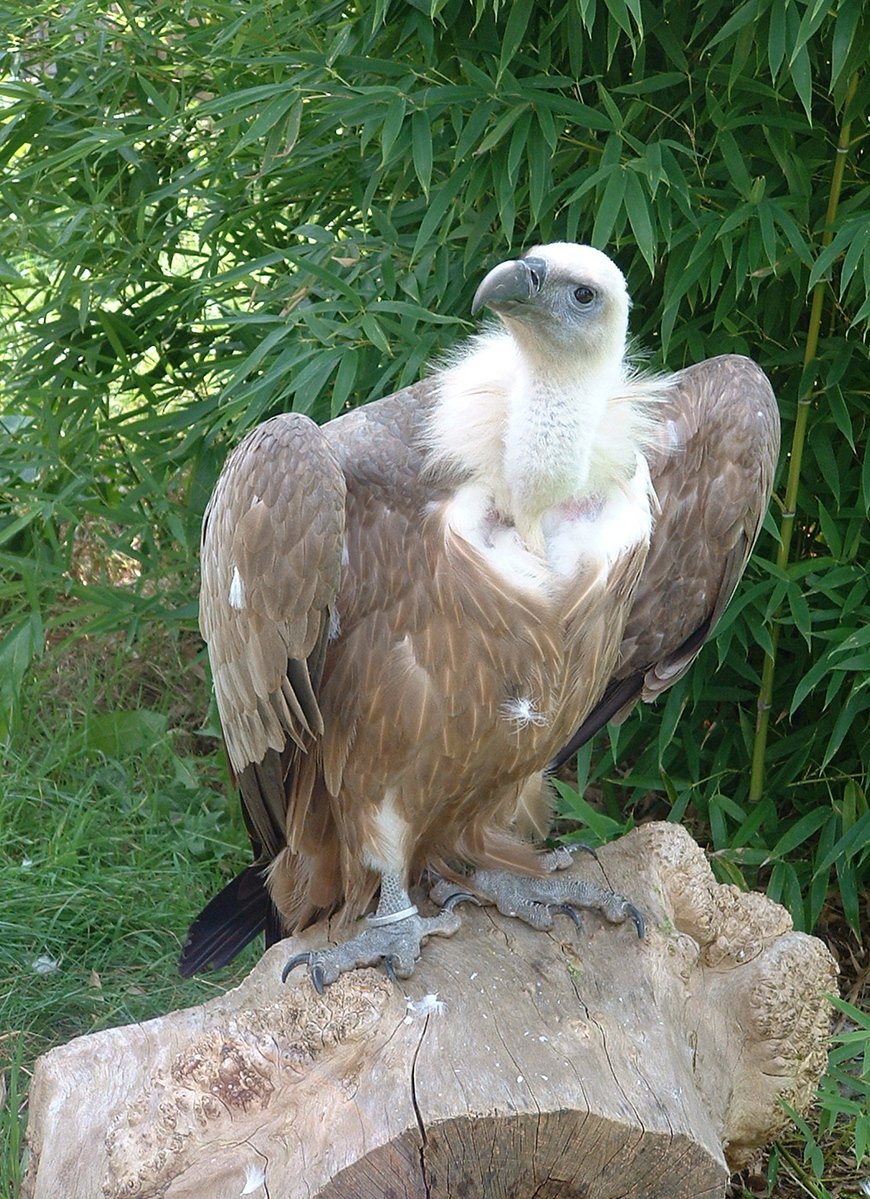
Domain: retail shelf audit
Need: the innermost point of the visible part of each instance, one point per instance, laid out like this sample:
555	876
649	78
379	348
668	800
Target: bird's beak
510	283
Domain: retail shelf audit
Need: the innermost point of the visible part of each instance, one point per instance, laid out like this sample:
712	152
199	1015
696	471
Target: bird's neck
552	429
534	433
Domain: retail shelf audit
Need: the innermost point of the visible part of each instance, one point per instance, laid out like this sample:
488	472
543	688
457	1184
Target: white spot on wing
334	624
522	712
237	590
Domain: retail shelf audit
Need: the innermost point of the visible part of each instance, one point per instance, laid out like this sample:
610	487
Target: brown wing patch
713	475
714	491
271	561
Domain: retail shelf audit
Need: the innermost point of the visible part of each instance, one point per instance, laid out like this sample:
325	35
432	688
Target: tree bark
515	1064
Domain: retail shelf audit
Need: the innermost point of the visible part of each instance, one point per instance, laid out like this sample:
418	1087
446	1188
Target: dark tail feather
617	695
275	930
622	691
229	922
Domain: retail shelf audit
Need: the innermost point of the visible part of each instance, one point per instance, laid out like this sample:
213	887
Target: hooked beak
510	283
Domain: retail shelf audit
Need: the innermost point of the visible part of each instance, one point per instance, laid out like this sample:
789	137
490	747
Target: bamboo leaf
437	209
540	179
852	841
737	21
472	130
619	11
735	163
394	118
839	410
776	37
811	679
849	893
802	78
421	148
517	149
801	615
639	218
768	232
588	9
610	208
273	114
345	377
514	31
848	17
502	126
603	828
813	15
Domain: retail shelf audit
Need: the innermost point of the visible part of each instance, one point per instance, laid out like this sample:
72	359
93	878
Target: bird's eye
584	294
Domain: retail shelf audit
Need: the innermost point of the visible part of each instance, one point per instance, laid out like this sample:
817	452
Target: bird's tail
229	922
617	701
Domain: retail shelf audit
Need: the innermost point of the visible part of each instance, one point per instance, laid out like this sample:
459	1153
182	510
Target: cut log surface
513	1063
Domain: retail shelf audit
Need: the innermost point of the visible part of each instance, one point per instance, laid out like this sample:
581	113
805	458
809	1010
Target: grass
116	823
107	852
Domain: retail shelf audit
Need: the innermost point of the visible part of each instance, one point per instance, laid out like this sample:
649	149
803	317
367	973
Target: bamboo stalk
786	528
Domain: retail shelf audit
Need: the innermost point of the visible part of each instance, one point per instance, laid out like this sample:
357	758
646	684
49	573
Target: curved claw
637	917
586	848
317	979
390	970
294	962
569	911
460	897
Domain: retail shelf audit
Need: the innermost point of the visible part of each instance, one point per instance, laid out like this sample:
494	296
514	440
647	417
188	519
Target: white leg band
376	921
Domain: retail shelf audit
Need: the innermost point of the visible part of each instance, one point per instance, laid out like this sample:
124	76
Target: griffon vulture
410	610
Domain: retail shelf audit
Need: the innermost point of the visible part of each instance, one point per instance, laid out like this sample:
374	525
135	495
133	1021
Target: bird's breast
581	536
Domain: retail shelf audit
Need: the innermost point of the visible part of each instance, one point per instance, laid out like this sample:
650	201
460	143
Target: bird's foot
395	942
562	857
534	900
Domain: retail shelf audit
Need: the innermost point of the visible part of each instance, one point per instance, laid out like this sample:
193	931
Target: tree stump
524	1064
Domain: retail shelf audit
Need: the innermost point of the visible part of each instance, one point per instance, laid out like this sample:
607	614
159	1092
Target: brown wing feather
271	562
713	474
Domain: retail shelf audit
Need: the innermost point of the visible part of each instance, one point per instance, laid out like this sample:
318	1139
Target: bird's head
560	298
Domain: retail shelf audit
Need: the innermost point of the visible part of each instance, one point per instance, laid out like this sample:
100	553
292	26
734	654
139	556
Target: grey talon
460	897
569	911
293	963
395	943
637	917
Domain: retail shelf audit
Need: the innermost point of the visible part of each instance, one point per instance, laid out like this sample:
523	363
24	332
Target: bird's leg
535	899
395	935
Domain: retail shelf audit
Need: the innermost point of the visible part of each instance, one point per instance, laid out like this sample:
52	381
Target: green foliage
112	830
210	212
846	1087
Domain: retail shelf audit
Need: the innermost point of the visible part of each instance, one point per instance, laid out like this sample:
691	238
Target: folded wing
713	474
271	568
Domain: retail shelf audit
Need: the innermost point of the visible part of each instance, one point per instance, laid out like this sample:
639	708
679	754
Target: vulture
415	610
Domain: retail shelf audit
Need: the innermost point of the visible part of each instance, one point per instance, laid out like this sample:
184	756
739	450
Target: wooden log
516	1063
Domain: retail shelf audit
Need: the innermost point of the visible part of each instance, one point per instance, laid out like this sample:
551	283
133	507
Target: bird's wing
713	474
271	565
273	558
